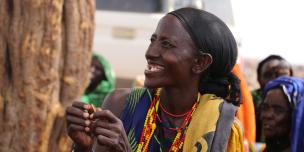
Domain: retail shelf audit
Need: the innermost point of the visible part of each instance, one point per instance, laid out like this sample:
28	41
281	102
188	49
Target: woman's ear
202	62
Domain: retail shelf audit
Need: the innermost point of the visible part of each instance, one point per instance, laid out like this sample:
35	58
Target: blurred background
124	27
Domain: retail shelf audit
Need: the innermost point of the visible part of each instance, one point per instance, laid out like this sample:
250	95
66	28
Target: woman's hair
266	60
211	35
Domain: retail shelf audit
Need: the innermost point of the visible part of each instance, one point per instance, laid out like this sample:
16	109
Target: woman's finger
84	106
103	140
117	127
106	132
78	121
80	105
77	112
74	127
105	114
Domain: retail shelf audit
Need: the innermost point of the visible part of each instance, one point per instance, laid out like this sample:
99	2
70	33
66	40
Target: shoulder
257	96
116	101
236	138
256	92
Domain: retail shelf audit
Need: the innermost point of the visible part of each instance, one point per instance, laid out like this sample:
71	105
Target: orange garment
246	111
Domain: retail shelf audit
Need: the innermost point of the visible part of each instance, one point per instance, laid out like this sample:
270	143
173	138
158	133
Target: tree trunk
45	54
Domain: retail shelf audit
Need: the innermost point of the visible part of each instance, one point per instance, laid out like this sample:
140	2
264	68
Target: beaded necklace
150	126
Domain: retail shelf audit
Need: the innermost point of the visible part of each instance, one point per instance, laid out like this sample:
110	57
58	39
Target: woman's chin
269	135
150	84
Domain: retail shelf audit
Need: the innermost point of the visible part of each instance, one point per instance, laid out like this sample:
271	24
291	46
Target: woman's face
97	74
170	56
276	114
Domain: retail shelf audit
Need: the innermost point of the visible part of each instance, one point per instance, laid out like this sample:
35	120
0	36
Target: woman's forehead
276	97
276	63
170	26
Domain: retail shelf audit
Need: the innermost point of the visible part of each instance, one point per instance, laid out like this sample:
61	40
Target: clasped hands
86	123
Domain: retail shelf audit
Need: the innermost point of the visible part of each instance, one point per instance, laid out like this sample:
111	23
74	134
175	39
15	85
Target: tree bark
45	55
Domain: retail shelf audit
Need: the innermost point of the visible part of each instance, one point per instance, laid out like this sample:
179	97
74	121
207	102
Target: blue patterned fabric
297	141
134	115
294	90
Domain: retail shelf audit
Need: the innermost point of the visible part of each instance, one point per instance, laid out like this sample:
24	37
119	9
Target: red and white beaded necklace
150	125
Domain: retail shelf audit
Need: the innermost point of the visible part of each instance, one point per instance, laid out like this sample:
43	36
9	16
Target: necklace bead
150	125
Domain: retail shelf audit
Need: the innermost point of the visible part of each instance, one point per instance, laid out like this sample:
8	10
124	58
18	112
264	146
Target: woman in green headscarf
101	83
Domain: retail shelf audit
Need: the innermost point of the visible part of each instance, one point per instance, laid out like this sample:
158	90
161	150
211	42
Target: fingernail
98	109
86	115
87	122
87	129
91	116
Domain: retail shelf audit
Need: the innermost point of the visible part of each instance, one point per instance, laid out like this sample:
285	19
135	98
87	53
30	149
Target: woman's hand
78	125
109	131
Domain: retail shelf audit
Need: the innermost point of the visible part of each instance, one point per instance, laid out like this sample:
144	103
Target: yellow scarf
201	130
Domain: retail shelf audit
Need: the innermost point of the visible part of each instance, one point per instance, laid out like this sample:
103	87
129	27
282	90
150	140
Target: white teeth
154	68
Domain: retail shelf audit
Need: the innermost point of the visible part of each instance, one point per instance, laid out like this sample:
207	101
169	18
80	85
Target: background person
102	81
246	113
268	69
282	114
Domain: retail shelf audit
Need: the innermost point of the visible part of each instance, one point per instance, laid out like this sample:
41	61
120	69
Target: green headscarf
97	96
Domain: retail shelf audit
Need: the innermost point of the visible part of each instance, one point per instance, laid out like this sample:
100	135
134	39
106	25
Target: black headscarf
211	35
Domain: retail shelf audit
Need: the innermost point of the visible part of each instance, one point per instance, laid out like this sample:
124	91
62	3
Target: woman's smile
153	68
268	128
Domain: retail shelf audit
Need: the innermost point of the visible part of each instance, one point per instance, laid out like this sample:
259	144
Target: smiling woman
276	114
189	100
282	114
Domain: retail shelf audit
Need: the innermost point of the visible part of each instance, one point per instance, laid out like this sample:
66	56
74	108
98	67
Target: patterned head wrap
293	88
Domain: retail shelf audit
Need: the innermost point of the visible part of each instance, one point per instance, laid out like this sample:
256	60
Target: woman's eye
264	107
280	110
152	39
166	44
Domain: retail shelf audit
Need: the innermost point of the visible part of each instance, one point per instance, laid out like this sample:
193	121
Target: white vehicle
124	27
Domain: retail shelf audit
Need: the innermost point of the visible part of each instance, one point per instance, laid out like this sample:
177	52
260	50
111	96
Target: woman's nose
267	114
153	51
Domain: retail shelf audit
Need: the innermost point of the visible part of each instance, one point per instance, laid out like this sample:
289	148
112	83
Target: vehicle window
145	6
